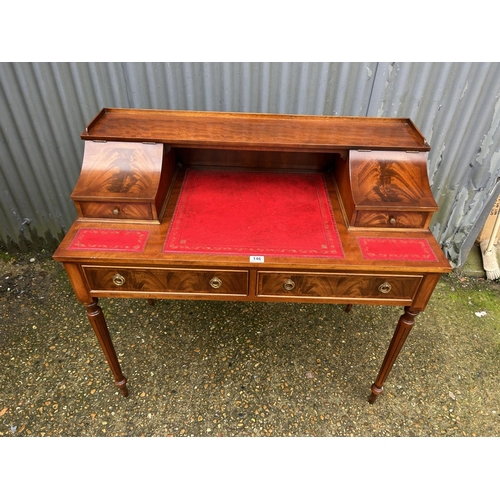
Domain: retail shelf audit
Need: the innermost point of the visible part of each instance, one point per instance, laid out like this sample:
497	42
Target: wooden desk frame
375	173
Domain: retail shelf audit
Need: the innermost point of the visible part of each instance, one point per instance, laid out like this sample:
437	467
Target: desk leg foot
122	385
151	302
405	324
376	391
348	308
96	317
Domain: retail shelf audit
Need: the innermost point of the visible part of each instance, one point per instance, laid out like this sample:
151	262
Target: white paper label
257	258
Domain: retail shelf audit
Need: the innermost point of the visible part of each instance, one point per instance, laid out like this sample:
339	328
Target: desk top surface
329	247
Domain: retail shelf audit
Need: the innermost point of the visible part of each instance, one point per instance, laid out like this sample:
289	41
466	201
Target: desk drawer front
338	285
118	211
392	219
182	281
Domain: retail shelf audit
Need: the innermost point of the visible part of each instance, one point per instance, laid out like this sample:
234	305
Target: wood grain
255	131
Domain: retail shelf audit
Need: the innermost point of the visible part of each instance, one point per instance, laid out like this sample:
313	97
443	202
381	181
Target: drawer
174	281
331	285
118	211
371	218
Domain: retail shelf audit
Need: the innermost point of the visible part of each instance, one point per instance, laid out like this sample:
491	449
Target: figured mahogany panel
390	178
337	285
119	170
188	281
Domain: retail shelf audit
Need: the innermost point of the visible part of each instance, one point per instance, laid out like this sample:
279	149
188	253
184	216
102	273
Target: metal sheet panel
45	106
456	107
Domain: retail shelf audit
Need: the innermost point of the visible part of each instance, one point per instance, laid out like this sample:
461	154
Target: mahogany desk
234	206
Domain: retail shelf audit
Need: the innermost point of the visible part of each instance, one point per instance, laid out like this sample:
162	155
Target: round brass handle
392	221
289	285
385	287
116	211
118	279
215	282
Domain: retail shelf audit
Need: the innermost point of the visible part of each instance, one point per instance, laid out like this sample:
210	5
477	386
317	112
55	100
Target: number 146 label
257	258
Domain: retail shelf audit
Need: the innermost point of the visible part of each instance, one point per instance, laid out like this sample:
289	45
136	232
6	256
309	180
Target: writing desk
261	207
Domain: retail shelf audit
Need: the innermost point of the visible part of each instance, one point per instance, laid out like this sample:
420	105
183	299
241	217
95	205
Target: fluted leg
405	324
96	317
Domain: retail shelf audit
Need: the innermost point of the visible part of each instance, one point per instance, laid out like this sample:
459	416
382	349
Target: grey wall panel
455	105
45	106
306	88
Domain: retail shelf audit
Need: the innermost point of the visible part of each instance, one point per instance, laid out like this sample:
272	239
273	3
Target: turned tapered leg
405	324
96	317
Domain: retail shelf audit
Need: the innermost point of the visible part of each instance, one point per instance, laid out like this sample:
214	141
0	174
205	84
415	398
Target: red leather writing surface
109	239
255	213
406	249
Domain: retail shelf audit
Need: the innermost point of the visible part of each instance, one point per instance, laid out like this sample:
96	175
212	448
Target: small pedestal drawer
126	211
392	219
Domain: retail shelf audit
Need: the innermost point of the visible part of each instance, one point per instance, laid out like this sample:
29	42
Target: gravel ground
200	368
245	369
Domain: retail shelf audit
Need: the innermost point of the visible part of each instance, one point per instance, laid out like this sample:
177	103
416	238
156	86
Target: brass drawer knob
392	221
385	287
289	285
116	211
118	279
215	282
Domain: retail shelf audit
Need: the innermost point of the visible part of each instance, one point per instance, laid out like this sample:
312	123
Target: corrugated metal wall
45	106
